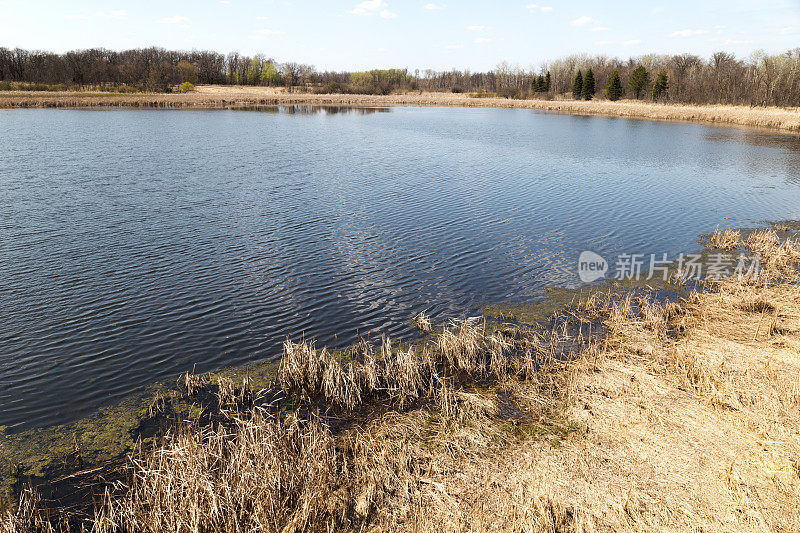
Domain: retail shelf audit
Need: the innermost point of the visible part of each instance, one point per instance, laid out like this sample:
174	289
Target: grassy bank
216	97
622	412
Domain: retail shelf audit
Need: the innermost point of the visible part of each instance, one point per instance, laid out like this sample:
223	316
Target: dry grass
258	469
422	322
725	240
683	416
221	97
462	353
779	258
691	417
257	473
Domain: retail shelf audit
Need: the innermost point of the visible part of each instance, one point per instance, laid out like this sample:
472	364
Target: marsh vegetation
623	411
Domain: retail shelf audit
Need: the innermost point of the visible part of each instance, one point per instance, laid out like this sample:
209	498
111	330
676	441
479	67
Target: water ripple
136	245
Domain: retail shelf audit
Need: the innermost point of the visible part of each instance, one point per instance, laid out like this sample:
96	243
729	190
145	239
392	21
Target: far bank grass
216	97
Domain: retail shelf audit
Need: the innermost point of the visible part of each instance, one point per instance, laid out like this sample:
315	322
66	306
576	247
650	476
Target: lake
136	245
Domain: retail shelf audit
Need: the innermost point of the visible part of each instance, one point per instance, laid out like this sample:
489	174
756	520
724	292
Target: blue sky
421	34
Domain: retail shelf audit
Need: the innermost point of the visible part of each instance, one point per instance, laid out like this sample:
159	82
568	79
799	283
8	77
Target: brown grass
213	97
683	416
726	239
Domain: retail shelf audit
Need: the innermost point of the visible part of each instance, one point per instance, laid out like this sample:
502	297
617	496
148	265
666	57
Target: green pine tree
639	81
577	86
661	85
547	82
614	87
588	90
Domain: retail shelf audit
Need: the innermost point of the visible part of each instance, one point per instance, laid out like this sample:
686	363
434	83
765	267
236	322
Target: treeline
160	70
760	79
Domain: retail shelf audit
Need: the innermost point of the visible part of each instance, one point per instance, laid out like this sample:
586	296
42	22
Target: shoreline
216	97
664	394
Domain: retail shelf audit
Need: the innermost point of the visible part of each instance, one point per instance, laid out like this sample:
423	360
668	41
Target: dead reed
726	239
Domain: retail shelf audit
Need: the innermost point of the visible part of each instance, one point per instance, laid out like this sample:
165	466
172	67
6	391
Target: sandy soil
213	97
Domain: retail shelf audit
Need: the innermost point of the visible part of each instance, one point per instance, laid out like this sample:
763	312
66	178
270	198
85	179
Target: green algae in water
106	437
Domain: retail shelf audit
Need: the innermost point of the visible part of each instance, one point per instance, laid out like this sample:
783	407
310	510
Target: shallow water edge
59	457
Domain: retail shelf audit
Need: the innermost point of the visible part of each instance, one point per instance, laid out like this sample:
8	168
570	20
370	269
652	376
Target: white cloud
367	8
118	14
259	35
632	42
434	7
372	7
788	30
382	50
481	40
454	46
177	19
583	21
478	28
536	7
599	28
687	33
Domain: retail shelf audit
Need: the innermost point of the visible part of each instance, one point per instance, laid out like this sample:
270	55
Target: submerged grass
678	415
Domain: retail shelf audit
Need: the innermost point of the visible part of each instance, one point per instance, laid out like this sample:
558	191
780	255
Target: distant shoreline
218	97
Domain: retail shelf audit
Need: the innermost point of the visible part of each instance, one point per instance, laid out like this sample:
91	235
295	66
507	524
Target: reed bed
678	416
212	97
462	353
256	468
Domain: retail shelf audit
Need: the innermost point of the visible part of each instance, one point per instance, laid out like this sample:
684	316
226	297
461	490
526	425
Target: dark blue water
135	245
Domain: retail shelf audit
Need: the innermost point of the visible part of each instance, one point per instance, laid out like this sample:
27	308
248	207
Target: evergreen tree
639	81
588	89
577	86
661	85
547	82
540	84
614	87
